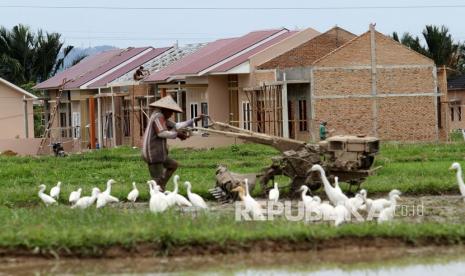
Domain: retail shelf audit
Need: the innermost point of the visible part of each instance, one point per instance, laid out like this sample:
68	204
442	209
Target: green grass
412	168
86	231
20	176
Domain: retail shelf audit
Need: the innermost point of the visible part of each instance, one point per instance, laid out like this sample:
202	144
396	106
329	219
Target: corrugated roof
233	47
83	67
192	58
457	82
244	57
111	63
128	67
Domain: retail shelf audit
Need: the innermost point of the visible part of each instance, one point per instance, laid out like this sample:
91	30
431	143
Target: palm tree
28	57
440	46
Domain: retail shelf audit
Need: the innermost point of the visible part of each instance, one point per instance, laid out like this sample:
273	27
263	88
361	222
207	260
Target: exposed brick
405	80
310	51
342	82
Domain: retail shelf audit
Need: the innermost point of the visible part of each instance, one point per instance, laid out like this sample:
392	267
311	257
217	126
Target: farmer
324	131
160	128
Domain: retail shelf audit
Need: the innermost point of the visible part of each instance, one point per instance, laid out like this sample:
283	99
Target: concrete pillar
373	80
285	113
443	104
113	118
92	122
99	122
178	100
26	118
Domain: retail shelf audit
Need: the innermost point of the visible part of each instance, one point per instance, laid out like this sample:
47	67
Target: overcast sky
123	27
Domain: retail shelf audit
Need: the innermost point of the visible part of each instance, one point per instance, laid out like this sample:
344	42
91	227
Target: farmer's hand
182	136
200	117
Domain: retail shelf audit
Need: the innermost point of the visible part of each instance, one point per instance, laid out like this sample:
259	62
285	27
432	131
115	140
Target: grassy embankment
414	169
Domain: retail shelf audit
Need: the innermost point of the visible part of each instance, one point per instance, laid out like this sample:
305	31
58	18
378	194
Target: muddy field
413	209
343	260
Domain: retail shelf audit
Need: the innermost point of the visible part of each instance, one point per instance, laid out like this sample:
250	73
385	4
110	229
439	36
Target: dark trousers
162	172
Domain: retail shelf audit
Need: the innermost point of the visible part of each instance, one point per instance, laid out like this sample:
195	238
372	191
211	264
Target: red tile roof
244	57
129	67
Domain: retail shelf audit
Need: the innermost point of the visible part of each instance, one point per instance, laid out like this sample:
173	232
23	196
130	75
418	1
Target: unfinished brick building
369	85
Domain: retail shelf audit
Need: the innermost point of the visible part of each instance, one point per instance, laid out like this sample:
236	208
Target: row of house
279	82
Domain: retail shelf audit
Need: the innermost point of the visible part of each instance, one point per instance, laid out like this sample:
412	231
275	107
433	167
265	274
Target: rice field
415	169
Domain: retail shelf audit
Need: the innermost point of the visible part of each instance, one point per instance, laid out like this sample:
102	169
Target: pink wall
218	98
12	114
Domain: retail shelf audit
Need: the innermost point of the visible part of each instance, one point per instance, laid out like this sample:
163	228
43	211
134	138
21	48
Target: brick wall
311	50
345	116
342	82
396	101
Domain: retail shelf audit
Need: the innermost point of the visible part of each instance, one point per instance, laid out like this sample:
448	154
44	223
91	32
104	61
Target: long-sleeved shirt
155	148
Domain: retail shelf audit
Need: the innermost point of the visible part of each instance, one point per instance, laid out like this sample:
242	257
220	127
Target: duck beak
451	168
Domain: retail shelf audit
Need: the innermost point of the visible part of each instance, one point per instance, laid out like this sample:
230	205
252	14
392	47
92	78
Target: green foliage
439	46
27	57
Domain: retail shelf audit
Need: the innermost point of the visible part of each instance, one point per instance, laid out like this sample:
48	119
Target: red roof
84	66
112	62
192	58
128	67
91	68
244	57
232	48
216	52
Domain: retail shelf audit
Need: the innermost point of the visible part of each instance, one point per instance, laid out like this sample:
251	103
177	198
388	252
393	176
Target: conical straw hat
167	103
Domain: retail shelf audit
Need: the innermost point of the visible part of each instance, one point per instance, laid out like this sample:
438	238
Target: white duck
387	214
325	210
273	195
195	199
251	205
373	207
134	193
306	199
336	184
341	214
178	199
456	166
86	201
107	192
55	191
334	195
74	196
356	202
102	200
157	203
46	199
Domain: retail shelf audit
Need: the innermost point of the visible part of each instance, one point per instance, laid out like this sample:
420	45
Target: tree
30	57
439	46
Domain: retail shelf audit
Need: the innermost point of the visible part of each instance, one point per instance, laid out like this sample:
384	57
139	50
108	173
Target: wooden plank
185	85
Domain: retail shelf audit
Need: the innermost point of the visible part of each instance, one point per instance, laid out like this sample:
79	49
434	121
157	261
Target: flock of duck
159	202
339	208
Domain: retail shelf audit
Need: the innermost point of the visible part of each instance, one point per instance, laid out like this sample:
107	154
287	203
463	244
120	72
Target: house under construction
278	82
